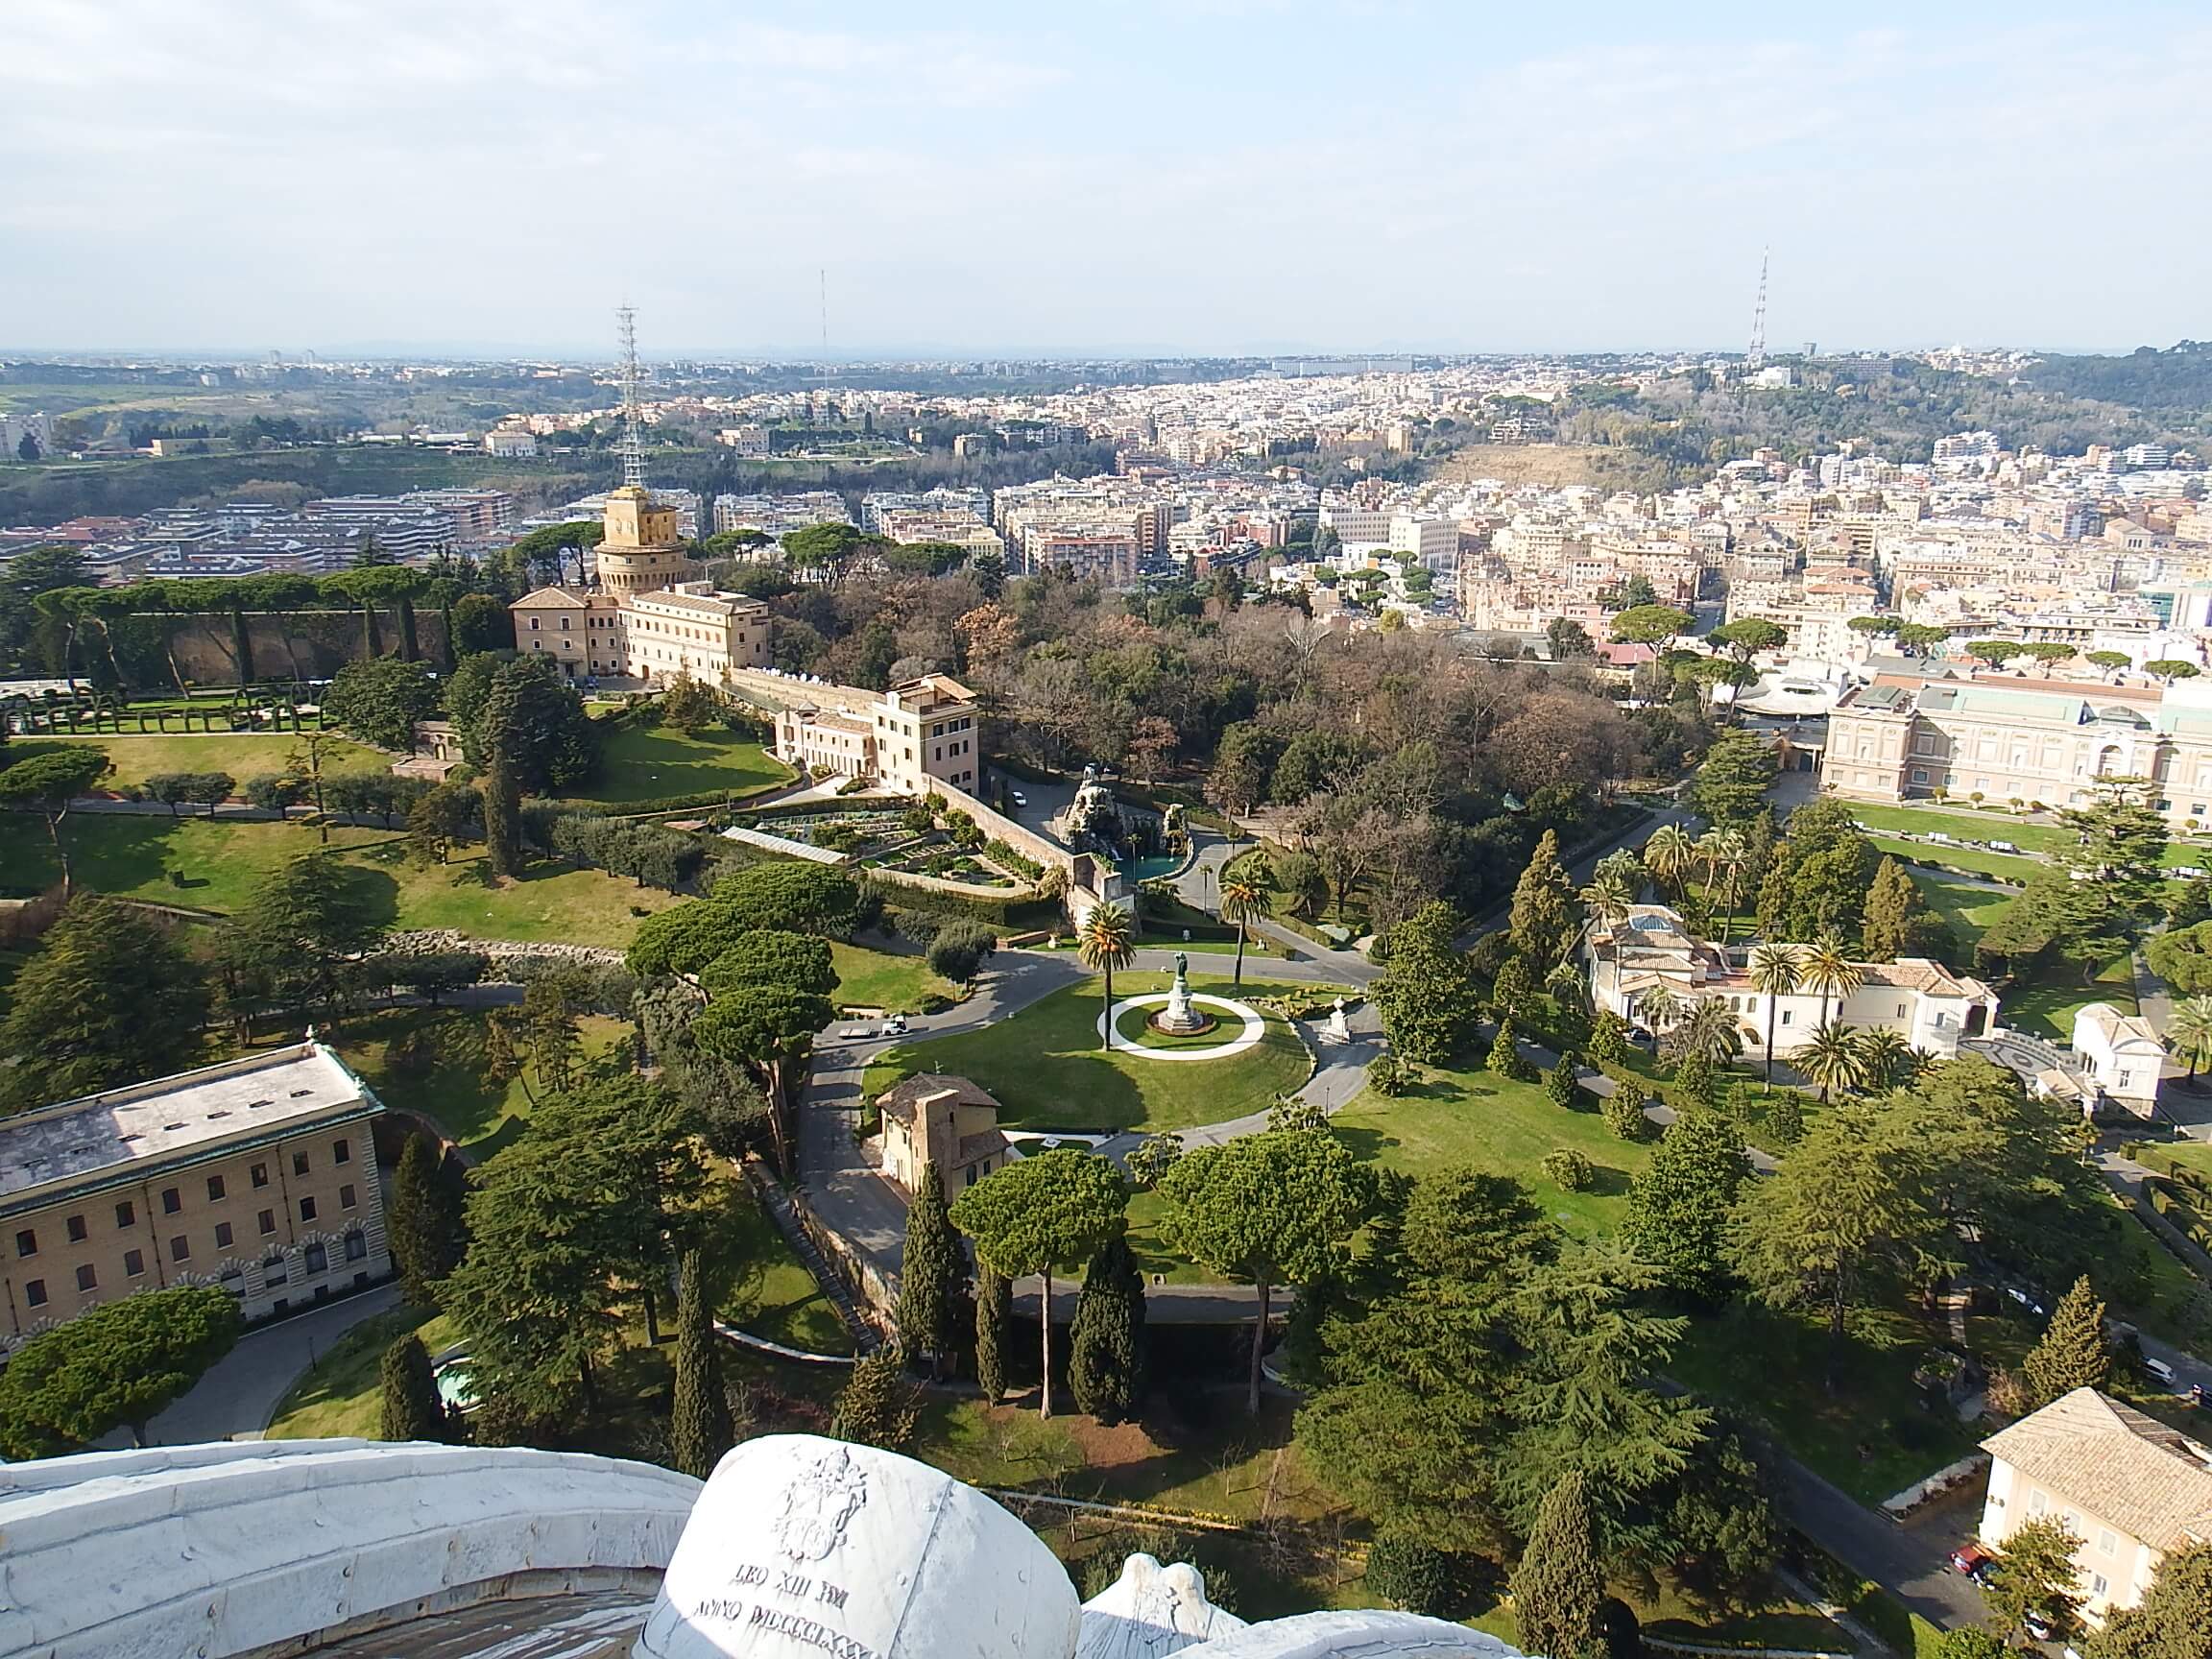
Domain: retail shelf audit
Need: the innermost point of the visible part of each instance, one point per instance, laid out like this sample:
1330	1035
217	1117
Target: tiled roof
2152	1481
902	1098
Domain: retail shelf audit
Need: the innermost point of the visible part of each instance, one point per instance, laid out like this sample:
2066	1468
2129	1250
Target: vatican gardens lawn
1045	1067
214	866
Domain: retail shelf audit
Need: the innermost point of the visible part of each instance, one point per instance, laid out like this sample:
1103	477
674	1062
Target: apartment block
257	1175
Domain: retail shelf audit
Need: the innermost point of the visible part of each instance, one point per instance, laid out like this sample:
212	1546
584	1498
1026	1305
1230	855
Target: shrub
960	949
1624	1112
1409	1572
272	792
852	785
1786	1118
1506	1058
1570	1170
1387	1075
1560	1087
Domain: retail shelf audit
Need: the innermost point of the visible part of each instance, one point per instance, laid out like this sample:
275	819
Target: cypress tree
502	815
993	1313
1559	1587
932	1276
1560	1087
411	1409
1897	921
876	1408
1106	1344
2073	1353
423	1217
699	1427
1506	1058
1545	912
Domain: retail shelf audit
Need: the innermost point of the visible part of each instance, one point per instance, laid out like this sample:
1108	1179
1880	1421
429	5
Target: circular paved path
1255	1027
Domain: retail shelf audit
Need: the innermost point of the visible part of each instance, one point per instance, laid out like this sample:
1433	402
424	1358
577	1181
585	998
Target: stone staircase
866	1337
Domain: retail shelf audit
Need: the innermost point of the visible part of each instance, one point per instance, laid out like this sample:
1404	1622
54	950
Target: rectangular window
126	1214
307	1208
214	1188
171	1200
268	1223
180	1248
1786	1012
87	1278
357	1246
318	1258
346	1197
259	1174
34	1292
2107	1542
341	1152
27	1243
273	1271
135	1263
76	1226
2037	1503
221	1235
299	1163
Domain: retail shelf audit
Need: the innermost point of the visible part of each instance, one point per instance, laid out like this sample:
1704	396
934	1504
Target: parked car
2002	847
1940	839
1018	798
2037	1626
895	1027
2160	1372
1970	1559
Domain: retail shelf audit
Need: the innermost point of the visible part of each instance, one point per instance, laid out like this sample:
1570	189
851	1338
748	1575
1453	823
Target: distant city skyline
1216	177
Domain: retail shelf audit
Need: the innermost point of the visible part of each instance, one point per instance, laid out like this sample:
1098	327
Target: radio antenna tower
632	443
1757	356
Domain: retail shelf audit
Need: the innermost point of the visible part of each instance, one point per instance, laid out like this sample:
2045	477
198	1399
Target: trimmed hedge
2172	1205
1009	915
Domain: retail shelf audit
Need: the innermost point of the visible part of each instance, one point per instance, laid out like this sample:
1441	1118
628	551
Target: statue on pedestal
1336	1031
1179	1016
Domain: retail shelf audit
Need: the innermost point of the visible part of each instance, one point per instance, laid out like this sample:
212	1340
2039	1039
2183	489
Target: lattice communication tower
632	440
1757	356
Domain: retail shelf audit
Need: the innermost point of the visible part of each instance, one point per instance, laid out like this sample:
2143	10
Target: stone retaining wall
437	941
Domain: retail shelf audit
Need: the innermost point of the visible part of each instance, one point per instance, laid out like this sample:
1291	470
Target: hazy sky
1211	176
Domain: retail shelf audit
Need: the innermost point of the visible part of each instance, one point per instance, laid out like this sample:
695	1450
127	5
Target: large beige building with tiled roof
647	615
1911	738
691	632
2131	1489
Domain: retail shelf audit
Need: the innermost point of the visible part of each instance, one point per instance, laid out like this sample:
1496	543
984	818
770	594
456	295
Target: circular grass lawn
1135	1026
1047	1069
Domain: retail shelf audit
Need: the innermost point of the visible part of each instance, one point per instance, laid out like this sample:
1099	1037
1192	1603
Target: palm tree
1709	1029
1667	854
1244	900
1659	1007
1828	969
1734	852
1710	847
1622	862
2190	1031
1106	941
1566	986
1775	974
1609	898
1889	1061
1833	1059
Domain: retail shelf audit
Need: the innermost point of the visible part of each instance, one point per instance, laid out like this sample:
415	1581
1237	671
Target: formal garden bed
1047	1069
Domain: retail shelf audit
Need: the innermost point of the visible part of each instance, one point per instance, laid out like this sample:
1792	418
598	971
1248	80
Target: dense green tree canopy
110	998
115	1365
380	700
1267	1210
